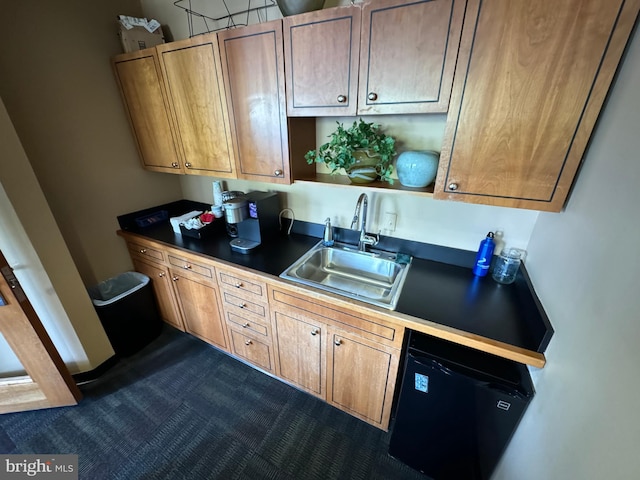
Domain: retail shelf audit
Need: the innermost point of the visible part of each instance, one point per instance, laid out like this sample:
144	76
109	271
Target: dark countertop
439	287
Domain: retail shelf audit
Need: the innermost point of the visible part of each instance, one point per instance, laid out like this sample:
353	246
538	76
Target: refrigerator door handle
512	392
430	362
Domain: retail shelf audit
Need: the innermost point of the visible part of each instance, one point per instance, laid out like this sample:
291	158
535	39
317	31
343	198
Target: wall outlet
389	221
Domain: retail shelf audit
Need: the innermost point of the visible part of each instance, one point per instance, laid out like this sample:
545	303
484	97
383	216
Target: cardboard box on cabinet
138	38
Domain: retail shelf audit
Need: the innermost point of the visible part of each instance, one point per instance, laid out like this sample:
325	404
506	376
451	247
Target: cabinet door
253	67
160	280
408	55
140	81
321	51
532	79
200	307
193	78
299	357
361	377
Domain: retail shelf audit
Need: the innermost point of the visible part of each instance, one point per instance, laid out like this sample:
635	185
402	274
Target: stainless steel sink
375	277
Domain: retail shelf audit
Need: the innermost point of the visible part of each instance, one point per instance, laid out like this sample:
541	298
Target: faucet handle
371	240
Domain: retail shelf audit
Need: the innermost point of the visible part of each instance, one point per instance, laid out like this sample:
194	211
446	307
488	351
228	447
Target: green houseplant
362	150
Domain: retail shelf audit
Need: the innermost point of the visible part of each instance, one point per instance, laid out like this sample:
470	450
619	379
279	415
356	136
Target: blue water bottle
483	258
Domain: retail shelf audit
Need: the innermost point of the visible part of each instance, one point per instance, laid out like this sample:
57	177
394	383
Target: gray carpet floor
180	409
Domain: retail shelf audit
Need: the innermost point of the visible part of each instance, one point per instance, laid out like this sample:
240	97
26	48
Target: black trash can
127	309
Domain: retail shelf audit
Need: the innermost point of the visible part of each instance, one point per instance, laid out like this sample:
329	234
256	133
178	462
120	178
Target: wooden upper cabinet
253	67
408	55
321	51
532	78
192	74
140	80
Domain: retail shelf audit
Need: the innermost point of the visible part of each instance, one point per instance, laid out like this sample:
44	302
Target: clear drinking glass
506	265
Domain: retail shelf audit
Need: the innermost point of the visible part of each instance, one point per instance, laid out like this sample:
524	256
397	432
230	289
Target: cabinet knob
161	274
175	164
372	96
315	331
174	278
238	284
245	325
453	187
341	98
143	250
188	164
278	173
186	266
337	342
247	342
242	305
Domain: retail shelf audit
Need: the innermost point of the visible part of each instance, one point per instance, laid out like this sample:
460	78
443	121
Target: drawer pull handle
238	284
338	342
315	331
247	342
161	274
242	305
175	164
143	250
174	278
187	267
245	325
188	165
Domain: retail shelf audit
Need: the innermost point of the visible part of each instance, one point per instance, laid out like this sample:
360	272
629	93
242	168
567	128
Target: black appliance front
457	410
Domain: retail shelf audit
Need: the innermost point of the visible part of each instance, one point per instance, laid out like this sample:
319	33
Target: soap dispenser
327	239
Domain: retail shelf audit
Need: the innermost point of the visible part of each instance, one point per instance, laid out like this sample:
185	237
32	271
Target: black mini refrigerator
457	410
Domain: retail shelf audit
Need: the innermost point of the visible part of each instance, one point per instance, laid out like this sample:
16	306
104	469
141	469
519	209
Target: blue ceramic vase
417	168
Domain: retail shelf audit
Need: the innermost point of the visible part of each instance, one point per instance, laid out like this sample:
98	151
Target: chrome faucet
365	238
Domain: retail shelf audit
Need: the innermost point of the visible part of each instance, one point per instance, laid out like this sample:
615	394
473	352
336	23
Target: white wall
419	218
33	246
584	423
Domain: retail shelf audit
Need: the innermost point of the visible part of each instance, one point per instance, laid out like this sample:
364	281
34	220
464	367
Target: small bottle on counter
484	256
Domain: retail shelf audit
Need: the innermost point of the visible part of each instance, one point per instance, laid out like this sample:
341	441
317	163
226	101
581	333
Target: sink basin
375	277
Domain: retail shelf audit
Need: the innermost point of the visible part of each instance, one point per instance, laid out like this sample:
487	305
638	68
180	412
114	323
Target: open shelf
343	180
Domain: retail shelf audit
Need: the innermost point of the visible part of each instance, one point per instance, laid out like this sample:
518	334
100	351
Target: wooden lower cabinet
300	356
165	298
345	355
355	371
200	307
361	377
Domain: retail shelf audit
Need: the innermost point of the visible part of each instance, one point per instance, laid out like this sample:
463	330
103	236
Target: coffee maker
260	223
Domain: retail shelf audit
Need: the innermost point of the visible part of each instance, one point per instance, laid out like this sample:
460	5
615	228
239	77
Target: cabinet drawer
247	322
243	285
137	250
248	347
240	305
365	325
191	268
